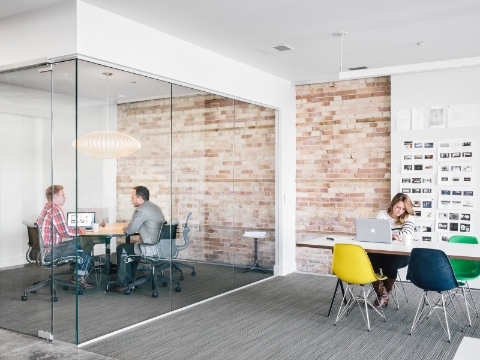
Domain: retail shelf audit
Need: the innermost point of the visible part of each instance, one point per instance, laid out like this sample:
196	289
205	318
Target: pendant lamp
107	144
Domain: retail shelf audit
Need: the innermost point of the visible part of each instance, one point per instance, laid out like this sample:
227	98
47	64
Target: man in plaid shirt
58	230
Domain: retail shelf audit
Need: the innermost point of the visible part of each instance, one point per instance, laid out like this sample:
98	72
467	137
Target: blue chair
430	270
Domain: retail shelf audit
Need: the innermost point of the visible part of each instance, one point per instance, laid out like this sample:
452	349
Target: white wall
110	39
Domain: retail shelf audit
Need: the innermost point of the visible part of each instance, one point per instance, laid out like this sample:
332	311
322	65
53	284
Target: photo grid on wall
439	177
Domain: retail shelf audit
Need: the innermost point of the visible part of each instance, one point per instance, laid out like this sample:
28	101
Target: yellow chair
351	265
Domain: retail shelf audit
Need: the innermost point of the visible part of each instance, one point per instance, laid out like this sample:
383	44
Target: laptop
373	230
85	219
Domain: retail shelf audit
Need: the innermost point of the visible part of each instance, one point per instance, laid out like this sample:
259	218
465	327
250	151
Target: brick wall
343	160
221	167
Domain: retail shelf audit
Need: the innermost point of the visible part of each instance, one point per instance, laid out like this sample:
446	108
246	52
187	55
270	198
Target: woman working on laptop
400	213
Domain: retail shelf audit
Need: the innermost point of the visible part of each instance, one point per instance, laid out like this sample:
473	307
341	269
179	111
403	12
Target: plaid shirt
60	229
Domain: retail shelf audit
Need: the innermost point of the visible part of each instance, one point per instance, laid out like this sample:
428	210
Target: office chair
352	265
177	248
33	244
465	271
157	261
35	232
430	270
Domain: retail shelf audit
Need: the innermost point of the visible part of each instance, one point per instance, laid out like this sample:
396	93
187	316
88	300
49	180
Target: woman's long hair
408	207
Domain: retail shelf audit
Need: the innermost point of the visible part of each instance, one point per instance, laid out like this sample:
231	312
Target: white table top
456	251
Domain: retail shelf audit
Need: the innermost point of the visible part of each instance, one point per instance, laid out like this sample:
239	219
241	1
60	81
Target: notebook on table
85	219
373	230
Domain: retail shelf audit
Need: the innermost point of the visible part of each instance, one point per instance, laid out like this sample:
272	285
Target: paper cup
95	227
407	239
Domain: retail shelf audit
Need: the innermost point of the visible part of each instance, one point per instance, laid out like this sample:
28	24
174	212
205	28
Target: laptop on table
83	219
373	230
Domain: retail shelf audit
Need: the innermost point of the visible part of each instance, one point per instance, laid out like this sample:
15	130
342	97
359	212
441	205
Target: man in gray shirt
147	220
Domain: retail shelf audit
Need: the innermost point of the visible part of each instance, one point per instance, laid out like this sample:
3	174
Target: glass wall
203	157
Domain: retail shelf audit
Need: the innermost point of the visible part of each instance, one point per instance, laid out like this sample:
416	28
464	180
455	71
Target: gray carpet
100	312
284	318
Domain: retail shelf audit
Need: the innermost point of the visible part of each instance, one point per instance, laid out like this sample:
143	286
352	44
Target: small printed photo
445	192
406	180
467	143
445	202
456	168
465	217
453	226
428	145
427	180
428	157
417	157
407	167
436	117
467	154
455	155
416	190
418	167
428	167
429	215
417	229
426	229
467	204
444	155
427	204
444	179
407	157
467	168
464	227
418	213
444	144
456	203
407	144
455	179
442	226
467	179
442	215
426	191
406	190
456	192
445	238
416	180
418	145
417	203
445	168
454	216
468	193
426	238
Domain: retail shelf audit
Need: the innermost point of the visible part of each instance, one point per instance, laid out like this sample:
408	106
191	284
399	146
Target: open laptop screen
373	230
85	219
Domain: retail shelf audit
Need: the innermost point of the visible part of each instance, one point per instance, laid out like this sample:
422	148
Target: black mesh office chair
34	232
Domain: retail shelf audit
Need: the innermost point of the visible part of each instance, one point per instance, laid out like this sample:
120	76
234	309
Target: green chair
466	270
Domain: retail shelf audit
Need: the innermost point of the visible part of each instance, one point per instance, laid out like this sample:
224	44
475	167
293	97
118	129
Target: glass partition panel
25	119
202	168
254	194
137	106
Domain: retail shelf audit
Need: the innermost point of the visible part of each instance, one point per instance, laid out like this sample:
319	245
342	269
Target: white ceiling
380	33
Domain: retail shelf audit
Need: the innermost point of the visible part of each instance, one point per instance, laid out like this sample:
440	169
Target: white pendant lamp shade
107	144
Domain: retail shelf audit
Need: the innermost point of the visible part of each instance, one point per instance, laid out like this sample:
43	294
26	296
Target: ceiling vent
275	49
359	68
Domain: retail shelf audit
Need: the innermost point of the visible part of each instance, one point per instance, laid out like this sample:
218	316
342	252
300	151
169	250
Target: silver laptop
373	230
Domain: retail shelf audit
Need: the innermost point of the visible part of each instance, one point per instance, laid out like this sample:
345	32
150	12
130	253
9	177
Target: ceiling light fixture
341	34
421	43
107	144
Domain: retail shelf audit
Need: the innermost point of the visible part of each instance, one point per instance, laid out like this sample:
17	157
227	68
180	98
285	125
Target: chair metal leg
339	283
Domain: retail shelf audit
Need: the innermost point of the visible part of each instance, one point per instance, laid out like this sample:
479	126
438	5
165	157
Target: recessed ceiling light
421	43
275	49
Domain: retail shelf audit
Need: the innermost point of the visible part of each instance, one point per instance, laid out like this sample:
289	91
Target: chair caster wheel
182	277
127	292
33	291
55	299
24	298
65	288
155	295
164	284
193	273
178	289
80	290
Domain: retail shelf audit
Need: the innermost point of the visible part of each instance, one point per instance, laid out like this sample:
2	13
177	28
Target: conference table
104	236
452	250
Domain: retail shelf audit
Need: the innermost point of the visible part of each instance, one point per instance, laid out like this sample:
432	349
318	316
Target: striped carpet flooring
284	318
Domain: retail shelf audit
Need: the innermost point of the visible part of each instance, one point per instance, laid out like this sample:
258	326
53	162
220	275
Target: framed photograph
465	217
453	226
406	190
445	192
454	216
467	154
464	227
444	155
418	167
416	180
